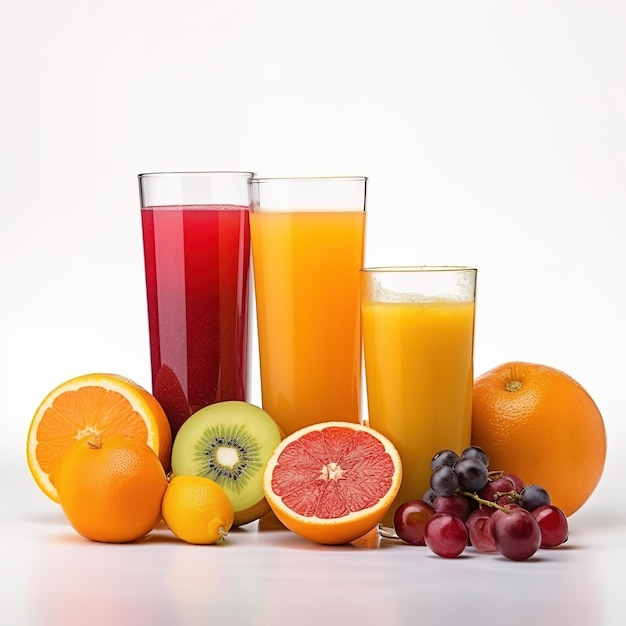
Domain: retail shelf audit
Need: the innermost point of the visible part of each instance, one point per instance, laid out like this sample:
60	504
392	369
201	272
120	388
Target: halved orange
101	404
332	482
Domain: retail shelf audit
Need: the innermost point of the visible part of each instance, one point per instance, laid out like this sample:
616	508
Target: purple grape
446	535
409	521
472	474
474	452
429	496
516	533
444	457
553	525
534	496
444	481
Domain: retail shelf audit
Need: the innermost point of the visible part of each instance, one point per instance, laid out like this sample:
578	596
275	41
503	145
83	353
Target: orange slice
332	482
101	404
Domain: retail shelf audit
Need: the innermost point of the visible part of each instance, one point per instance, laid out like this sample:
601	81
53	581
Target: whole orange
111	489
537	422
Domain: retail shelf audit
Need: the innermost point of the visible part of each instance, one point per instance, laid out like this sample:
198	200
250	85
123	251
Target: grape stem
480	500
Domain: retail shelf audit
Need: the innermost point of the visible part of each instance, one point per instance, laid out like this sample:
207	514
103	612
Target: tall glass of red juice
196	240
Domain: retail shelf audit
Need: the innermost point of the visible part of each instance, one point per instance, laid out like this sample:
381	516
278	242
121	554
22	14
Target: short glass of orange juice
307	238
418	340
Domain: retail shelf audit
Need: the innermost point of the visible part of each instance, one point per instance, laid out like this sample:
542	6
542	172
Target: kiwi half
230	443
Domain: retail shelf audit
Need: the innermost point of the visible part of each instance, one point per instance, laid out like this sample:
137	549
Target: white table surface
53	576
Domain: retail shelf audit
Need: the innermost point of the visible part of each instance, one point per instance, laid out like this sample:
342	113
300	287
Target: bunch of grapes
469	505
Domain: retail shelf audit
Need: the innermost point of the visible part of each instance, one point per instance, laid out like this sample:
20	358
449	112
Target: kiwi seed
242	449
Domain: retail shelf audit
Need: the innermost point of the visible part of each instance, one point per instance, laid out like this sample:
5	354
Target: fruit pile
467	504
101	446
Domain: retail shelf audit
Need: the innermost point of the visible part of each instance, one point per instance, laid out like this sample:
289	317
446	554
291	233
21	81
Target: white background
493	134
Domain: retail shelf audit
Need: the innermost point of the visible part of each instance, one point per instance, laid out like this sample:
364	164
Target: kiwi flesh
230	443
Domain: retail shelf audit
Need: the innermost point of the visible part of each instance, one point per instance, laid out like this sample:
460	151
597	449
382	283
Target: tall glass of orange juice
307	238
418	339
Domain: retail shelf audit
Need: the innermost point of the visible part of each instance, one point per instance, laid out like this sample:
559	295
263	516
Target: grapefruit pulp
332	482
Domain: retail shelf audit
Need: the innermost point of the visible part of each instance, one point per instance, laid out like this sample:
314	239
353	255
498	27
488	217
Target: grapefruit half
332	482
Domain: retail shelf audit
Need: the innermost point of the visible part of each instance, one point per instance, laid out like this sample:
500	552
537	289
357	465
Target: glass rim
418	268
194	173
270	179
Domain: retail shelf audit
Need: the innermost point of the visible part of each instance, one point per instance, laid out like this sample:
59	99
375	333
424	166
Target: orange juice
306	269
419	374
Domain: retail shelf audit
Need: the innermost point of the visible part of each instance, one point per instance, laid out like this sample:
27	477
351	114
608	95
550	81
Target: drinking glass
307	249
196	241
418	340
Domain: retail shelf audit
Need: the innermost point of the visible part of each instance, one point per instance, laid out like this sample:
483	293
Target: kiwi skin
252	513
235	429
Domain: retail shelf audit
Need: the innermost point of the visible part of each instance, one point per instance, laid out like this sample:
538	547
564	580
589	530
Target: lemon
197	510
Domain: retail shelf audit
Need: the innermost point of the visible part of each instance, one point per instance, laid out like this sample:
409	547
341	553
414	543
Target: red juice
197	275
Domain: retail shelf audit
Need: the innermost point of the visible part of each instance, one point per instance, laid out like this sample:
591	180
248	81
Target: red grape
518	483
409	521
553	525
498	486
516	533
456	504
446	535
507	500
480	528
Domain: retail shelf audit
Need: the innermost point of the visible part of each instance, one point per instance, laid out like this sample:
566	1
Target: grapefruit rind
157	430
331	530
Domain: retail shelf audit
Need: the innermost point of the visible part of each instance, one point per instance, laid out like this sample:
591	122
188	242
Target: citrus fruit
197	510
537	422
93	404
332	482
111	488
